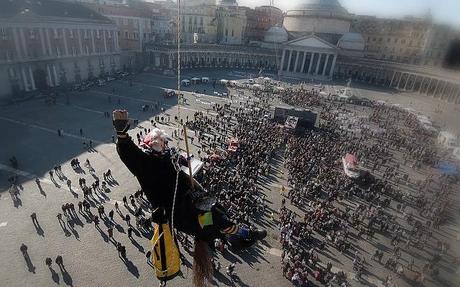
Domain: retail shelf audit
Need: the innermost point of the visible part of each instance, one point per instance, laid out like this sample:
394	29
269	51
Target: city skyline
445	13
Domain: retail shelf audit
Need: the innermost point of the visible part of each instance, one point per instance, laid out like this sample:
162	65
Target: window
3	33
31	34
126	35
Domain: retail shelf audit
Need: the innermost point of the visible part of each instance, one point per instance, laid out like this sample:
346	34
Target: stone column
317	63
296	61
451	93
105	40
42	40
56	79
289	61
420	89
32	81
80	42
331	72
24	80
413	84
117	46
282	59
64	37
392	79
429	85
50	49
16	43
325	64
407	81
49	77
93	42
311	62
399	81
443	90
303	61
435	92
23	42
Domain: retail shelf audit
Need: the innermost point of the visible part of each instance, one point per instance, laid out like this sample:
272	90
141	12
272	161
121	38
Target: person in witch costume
195	211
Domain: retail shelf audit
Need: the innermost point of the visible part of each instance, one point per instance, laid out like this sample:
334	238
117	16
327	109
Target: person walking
130	232
110	233
59	261
48	262
111	213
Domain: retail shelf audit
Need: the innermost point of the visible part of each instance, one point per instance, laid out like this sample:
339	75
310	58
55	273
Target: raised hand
120	121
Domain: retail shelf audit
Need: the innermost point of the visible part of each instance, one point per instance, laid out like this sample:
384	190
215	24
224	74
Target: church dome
321	7
352	41
276	34
227	3
318	16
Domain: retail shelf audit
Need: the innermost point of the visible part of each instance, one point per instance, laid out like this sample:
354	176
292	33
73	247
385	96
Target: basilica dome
227	3
318	16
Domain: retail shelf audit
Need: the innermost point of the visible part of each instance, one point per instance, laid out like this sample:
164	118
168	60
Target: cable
178	117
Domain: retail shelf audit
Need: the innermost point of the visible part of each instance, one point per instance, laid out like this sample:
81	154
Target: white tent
196	165
448	139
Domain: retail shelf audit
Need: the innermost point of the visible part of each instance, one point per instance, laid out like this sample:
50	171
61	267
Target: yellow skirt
165	253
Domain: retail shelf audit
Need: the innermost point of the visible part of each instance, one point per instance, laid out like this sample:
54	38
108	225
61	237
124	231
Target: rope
178	117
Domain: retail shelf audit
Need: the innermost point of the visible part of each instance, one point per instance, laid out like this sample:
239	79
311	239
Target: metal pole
188	157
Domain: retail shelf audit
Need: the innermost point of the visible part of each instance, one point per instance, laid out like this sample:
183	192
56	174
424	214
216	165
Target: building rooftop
330	7
49	8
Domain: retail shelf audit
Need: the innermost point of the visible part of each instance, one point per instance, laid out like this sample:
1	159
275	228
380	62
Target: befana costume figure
178	202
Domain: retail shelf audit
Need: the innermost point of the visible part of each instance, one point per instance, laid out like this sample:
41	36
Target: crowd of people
324	211
323	192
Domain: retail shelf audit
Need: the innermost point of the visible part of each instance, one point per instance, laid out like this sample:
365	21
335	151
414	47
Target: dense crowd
321	190
336	212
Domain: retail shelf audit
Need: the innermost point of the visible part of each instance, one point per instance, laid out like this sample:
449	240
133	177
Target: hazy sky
443	11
